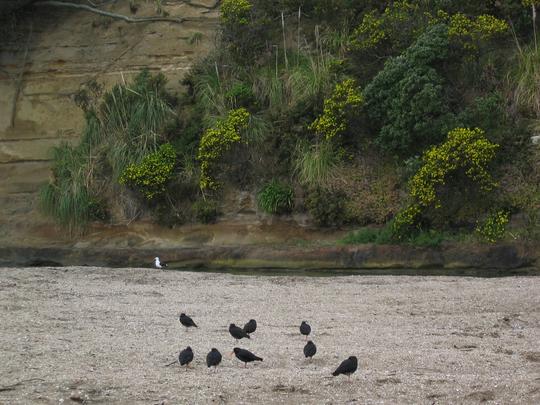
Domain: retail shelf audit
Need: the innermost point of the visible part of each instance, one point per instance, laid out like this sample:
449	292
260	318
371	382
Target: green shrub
380	236
327	207
493	227
406	100
166	215
276	198
153	173
240	95
206	211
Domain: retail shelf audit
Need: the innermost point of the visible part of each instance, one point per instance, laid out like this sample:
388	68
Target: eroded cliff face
43	63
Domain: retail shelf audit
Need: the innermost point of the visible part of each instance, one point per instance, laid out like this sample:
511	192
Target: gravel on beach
99	335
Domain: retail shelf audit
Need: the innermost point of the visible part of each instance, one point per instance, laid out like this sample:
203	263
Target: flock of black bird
213	358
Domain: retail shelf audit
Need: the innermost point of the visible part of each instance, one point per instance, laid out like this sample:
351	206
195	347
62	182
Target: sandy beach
99	335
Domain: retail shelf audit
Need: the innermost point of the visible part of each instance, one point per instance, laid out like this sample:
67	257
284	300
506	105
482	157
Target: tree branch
109	14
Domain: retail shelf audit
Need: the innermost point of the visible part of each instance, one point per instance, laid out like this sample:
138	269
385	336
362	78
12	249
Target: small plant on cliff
327	207
206	211
151	175
493	227
276	198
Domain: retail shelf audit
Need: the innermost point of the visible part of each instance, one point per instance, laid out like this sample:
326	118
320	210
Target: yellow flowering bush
466	150
375	28
333	121
151	175
218	140
469	31
235	12
494	226
406	221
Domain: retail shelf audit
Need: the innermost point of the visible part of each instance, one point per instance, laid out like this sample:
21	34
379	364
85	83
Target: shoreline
351	257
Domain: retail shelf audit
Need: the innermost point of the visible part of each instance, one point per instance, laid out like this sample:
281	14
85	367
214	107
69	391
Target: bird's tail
335	373
258	358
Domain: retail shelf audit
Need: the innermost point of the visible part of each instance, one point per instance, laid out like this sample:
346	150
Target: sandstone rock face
45	61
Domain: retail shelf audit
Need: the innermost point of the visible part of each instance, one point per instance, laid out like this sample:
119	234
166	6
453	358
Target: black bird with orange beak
245	356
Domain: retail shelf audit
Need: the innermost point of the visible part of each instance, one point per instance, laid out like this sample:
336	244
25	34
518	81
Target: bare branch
109	14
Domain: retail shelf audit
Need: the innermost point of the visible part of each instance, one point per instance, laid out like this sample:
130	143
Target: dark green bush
276	198
327	207
379	236
240	95
206	211
406	100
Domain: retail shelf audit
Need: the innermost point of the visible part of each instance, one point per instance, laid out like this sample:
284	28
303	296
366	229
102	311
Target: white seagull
158	264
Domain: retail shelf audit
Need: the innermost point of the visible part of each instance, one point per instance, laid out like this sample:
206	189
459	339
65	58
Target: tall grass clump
314	164
68	197
122	128
527	81
280	88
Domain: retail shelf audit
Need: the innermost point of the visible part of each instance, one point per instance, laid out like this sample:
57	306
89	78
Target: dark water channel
484	273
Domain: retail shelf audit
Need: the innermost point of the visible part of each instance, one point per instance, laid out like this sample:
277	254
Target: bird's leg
245	365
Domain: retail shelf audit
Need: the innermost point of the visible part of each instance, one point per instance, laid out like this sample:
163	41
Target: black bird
310	349
347	367
213	358
245	356
184	358
236	332
251	326
305	329
187	321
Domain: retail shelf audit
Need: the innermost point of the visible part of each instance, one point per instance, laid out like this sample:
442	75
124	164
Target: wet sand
103	335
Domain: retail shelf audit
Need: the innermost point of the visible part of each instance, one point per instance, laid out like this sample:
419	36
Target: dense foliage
152	174
409	118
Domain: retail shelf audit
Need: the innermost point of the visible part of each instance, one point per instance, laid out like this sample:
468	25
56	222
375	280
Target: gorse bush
235	12
466	151
152	174
218	140
393	29
276	198
345	99
493	227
